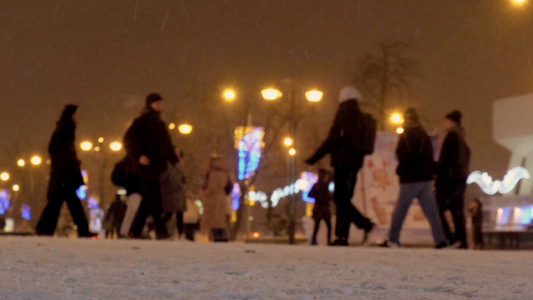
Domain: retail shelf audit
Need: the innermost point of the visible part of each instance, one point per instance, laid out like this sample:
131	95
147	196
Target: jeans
151	203
426	199
48	221
345	179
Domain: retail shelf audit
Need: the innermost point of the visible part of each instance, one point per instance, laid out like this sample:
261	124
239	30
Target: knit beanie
153	97
455	116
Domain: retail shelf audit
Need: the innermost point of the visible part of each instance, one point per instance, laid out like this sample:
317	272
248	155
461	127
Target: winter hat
349	93
411	117
153	97
455	116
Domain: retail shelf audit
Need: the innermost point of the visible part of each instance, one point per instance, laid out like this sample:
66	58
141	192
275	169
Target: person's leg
328	224
48	221
341	196
179	223
134	202
77	212
140	219
315	231
354	214
408	192
457	201
152	194
428	203
442	203
189	231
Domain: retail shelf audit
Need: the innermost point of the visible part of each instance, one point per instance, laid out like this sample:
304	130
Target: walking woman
65	177
217	181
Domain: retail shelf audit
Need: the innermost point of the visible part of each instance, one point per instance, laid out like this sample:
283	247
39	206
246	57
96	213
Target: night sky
107	55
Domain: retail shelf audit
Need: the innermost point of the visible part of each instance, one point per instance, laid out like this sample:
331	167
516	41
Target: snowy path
53	268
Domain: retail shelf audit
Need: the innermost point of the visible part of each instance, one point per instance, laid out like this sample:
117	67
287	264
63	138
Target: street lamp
292	152
4	176
36	160
115	146
399	130
21	162
185	129
314	95
396	118
519	2
16	187
271	94
97	149
86	146
101	140
287	141
229	95
171	126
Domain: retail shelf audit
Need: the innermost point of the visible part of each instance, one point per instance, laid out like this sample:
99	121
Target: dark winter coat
148	135
115	214
341	142
454	159
320	192
415	156
65	172
126	173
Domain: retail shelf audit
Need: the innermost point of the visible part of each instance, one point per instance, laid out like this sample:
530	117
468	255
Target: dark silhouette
65	177
451	178
147	142
347	143
320	192
115	215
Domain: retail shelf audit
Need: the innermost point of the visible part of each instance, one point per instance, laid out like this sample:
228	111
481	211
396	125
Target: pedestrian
452	172
191	219
65	177
215	188
320	192
476	213
147	143
173	193
351	137
115	216
416	169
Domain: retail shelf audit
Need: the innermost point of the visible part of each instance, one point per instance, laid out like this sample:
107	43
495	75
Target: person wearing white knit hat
351	137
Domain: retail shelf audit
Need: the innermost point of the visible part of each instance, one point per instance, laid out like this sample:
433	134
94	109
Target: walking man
416	168
453	169
65	177
351	138
147	142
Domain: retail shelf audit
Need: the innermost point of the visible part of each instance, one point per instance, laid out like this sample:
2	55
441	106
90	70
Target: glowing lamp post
16	188
271	94
21	163
115	146
314	96
86	146
292	152
229	95
171	126
36	160
287	141
4	176
185	129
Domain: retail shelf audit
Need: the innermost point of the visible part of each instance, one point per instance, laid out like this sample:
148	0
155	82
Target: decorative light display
308	179
93	203
26	212
250	147
490	187
4	201
235	194
81	192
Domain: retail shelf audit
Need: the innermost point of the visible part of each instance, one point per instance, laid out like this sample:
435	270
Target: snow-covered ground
57	268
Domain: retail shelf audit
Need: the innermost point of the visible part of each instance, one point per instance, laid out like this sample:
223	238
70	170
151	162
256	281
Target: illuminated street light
115	146
314	95
86	146
97	149
519	2
21	163
271	94
292	152
185	129
4	176
396	119
287	141
399	130
16	187
36	160
101	140
229	95
171	126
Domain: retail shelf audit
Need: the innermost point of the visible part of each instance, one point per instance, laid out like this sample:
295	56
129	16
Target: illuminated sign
4	202
250	148
490	187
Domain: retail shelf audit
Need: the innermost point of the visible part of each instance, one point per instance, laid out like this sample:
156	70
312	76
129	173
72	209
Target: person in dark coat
320	192
346	158
416	169
476	212
148	143
452	172
115	215
65	177
173	194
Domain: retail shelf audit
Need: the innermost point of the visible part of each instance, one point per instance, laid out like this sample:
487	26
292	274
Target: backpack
368	127
122	170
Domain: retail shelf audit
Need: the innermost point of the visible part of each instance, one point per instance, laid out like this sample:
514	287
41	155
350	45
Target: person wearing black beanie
452	171
65	177
147	143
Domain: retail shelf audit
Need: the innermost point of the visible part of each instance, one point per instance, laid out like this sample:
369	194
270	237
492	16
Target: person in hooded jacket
452	172
65	177
148	143
217	181
416	169
347	159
